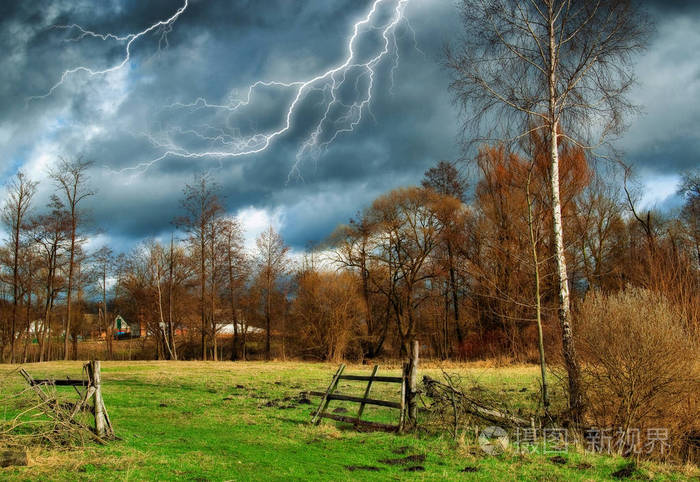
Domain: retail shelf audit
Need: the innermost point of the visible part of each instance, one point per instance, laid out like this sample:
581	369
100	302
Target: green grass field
241	421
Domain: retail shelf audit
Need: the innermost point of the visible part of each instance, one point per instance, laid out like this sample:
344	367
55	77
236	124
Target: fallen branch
452	396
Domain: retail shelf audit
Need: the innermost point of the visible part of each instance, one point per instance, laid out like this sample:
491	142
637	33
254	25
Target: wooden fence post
103	426
412	374
404	396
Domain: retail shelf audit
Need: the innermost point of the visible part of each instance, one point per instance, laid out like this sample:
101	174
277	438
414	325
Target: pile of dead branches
40	415
456	406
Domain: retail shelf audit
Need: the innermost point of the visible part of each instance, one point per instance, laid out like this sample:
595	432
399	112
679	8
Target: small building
227	329
123	330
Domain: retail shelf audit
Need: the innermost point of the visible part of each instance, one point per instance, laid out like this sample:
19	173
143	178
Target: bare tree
599	230
353	245
561	67
49	232
407	229
202	206
446	180
236	272
529	198
690	190
21	190
103	261
171	286
271	260
158	264
71	179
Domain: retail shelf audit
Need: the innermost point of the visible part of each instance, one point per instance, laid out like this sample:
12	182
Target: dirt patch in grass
368	468
284	403
558	459
416	458
625	472
415	468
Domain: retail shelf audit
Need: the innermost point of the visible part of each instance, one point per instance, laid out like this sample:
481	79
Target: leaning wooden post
325	400
412	392
369	387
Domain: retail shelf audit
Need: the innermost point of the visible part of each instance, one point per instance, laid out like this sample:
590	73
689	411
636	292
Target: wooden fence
406	405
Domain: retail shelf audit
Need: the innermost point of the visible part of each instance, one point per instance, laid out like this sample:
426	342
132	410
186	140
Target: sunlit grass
224	421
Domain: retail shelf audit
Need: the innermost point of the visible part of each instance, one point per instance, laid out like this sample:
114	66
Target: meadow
247	421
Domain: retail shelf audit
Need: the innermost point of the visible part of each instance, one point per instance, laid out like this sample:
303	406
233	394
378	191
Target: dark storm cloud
665	139
671	6
218	46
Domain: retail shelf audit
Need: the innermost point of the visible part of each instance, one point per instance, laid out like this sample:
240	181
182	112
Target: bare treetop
71	177
20	191
272	251
528	64
446	179
201	203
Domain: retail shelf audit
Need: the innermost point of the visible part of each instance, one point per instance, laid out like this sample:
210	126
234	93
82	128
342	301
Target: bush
640	368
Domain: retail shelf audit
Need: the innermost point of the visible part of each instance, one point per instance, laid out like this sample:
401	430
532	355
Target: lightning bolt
166	25
336	115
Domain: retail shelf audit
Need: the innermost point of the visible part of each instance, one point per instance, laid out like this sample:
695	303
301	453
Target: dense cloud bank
217	48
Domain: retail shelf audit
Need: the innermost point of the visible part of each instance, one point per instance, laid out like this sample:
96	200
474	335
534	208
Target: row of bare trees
472	277
49	244
54	292
479	279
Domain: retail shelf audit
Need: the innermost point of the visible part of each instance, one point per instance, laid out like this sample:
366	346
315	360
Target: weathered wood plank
32	383
402	415
356	421
365	378
83	400
13	457
412	375
435	389
350	398
102	427
60	382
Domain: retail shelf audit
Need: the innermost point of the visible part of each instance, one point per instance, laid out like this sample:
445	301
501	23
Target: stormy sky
180	105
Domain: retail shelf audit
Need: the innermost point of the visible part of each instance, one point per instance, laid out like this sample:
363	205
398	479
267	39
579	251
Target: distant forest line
460	268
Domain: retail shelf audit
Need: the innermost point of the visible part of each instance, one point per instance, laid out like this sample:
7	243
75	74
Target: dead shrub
640	373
